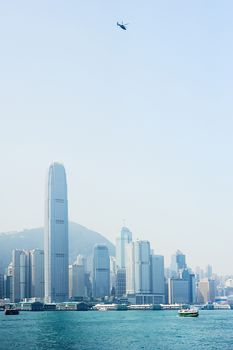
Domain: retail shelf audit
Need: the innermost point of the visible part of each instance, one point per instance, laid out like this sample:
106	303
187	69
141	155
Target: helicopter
122	25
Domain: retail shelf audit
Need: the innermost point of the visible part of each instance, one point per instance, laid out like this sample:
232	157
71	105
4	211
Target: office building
124	238
120	282
25	276
101	271
20	275
56	235
180	261
178	291
37	273
142	266
206	291
130	268
157	278
77	280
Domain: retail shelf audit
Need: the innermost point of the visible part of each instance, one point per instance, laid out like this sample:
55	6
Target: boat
102	308
188	313
11	312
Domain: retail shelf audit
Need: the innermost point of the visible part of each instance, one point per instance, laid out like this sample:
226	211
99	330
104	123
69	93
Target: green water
116	330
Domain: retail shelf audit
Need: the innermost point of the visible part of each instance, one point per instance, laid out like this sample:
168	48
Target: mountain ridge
81	241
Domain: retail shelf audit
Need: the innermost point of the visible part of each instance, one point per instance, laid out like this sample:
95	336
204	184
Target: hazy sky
142	119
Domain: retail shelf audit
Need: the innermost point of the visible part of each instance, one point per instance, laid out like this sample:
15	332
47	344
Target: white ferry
188	313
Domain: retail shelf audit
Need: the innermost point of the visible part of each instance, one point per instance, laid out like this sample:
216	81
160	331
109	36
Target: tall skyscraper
120	282
56	235
37	273
27	274
20	275
124	238
142	266
77	276
157	277
180	260
138	273
122	242
130	268
101	271
190	277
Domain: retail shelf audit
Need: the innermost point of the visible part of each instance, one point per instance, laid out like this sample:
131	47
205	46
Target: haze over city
142	120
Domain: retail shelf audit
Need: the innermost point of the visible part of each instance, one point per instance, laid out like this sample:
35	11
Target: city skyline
135	273
142	119
125	234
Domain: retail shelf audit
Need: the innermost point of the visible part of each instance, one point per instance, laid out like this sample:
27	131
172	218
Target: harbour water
116	330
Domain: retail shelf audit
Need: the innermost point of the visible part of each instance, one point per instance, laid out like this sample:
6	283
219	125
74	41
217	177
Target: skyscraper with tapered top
56	235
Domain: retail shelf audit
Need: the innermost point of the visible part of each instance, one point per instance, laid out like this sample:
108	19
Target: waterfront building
145	298
206	291
124	238
178	291
20	275
157	278
212	290
130	269
25	277
56	235
190	277
142	266
77	280
37	273
120	282
101	271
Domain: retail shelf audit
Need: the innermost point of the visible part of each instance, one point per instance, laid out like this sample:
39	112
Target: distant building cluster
136	275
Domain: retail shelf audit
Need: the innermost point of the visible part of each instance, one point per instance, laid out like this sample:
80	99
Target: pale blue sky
142	119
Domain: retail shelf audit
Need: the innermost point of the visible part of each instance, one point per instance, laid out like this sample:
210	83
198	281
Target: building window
59	222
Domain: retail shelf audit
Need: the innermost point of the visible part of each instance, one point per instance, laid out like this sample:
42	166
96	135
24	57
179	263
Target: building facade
158	278
142	266
206	290
178	291
37	273
101	271
25	278
130	268
77	281
20	275
124	238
